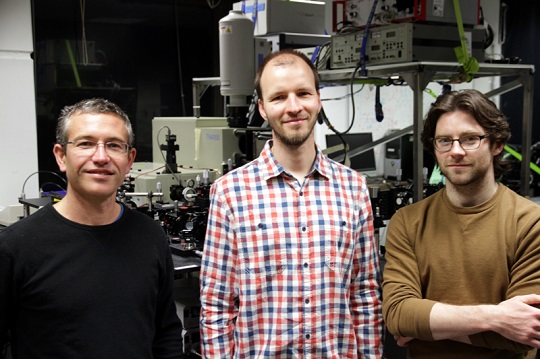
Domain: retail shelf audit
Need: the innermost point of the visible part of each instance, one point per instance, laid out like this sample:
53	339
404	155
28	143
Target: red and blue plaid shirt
290	269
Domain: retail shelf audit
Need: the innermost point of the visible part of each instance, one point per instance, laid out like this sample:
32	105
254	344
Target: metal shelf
418	75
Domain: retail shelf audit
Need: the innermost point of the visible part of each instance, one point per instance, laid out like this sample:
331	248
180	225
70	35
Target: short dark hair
93	105
484	111
286	60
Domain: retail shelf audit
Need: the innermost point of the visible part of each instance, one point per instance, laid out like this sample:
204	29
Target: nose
100	155
293	104
456	149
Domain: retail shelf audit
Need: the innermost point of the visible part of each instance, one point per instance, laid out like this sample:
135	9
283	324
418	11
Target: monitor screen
362	162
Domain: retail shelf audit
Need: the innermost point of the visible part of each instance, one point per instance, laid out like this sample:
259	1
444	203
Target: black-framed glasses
89	147
467	142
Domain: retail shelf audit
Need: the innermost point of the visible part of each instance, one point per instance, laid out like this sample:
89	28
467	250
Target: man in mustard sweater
462	276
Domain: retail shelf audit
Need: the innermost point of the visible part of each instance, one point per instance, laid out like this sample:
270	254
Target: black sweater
74	291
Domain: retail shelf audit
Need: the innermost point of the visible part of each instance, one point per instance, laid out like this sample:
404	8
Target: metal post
526	131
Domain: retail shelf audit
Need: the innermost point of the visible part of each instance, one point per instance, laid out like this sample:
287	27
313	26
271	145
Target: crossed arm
510	321
515	319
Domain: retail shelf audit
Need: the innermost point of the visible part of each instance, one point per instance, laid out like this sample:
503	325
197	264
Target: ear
261	110
131	157
498	147
60	156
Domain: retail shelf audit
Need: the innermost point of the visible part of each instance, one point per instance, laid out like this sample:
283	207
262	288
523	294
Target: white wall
397	101
18	135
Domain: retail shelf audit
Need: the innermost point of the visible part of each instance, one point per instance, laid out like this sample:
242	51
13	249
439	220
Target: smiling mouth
100	173
295	121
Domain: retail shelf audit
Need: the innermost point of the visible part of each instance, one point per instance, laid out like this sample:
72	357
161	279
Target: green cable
517	155
461	31
73	65
430	91
470	64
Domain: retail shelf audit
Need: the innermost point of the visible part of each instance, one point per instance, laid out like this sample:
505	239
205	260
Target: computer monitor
363	162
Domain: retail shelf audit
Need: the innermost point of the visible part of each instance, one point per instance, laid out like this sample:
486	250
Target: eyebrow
467	133
93	138
301	89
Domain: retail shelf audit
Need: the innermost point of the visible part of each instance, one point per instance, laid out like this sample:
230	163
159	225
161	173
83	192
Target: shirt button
303	229
301	193
306	301
308	336
306	265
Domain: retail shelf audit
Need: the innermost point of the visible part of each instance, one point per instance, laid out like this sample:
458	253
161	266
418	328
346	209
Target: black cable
502	22
345	24
353	116
323	118
348	30
488	30
321	53
36	172
344	96
177	29
361	63
379	114
490	36
173	171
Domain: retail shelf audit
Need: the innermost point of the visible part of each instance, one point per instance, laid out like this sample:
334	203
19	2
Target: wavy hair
482	109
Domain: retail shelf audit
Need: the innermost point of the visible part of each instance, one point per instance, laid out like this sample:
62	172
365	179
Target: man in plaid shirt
290	266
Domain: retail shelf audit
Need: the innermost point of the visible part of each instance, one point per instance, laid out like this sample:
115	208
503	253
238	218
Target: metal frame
418	75
199	85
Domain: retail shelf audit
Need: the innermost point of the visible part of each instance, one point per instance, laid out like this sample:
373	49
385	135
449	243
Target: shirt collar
272	168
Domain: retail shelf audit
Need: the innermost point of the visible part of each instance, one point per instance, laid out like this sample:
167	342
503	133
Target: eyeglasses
467	142
89	147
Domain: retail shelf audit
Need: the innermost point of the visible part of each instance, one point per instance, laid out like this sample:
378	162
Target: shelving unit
418	75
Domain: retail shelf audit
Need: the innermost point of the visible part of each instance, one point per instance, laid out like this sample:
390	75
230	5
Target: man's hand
402	341
518	319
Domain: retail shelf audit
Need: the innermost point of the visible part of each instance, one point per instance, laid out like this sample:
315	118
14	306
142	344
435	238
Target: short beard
295	140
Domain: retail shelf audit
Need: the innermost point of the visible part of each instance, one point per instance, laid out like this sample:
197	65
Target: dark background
148	51
146	54
522	40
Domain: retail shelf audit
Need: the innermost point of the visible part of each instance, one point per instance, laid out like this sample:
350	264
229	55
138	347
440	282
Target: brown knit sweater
437	252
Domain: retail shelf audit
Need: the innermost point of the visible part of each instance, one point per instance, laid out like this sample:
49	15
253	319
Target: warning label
224	30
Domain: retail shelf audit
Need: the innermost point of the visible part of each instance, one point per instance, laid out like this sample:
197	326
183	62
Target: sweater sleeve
404	310
524	269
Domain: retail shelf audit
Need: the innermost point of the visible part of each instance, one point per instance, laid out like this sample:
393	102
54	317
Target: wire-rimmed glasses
84	146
